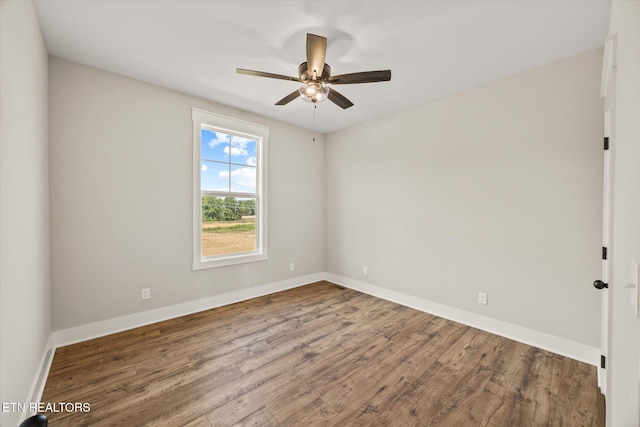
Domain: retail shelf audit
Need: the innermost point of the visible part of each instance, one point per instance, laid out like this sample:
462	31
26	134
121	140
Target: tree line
227	208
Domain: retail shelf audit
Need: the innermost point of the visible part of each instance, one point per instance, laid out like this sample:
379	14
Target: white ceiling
434	48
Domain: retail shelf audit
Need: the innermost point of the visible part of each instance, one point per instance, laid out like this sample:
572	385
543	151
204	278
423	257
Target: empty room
291	213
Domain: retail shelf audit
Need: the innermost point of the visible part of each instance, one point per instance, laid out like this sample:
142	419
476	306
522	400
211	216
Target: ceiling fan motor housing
306	74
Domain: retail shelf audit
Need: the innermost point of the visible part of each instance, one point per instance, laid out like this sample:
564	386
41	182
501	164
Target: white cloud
218	140
236	151
238	146
242	179
238	140
203	167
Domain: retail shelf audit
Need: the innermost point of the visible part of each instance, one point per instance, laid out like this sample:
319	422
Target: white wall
121	199
25	308
623	402
496	189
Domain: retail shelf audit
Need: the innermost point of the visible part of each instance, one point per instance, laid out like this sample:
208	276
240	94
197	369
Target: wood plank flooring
318	355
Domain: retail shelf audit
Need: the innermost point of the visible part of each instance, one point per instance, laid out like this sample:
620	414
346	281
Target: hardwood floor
318	355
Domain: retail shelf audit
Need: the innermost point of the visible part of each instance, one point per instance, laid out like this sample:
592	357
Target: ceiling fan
315	76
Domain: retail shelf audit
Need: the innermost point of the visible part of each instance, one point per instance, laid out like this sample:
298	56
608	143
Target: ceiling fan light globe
314	92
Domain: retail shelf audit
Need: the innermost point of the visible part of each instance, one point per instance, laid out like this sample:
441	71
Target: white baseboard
558	345
40	377
131	321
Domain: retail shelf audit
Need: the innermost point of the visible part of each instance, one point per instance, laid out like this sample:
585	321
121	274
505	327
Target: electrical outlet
292	266
365	270
146	293
482	298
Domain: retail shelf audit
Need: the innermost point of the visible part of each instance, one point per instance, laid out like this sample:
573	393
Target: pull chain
315	107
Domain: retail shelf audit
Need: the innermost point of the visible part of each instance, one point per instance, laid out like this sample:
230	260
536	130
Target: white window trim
237	127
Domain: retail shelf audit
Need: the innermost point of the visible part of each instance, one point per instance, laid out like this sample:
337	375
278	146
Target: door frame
607	91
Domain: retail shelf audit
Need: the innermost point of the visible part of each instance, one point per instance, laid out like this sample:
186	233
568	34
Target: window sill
205	263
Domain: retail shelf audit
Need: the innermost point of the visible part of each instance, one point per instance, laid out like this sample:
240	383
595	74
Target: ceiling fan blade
287	99
316	54
362	77
269	75
339	99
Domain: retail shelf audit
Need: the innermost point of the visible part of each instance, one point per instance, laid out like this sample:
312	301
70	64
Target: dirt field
218	244
223	224
227	242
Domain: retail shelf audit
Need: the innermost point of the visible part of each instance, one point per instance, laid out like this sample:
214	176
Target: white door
607	92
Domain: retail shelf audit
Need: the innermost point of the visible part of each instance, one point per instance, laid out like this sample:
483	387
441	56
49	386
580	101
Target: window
229	191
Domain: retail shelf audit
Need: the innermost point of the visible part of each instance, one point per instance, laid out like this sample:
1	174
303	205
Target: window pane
228	225
214	176
243	179
215	145
243	151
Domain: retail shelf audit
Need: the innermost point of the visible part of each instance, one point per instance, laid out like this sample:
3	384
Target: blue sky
227	163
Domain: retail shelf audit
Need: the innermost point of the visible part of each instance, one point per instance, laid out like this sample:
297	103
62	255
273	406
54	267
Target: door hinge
606	142
604	252
603	362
